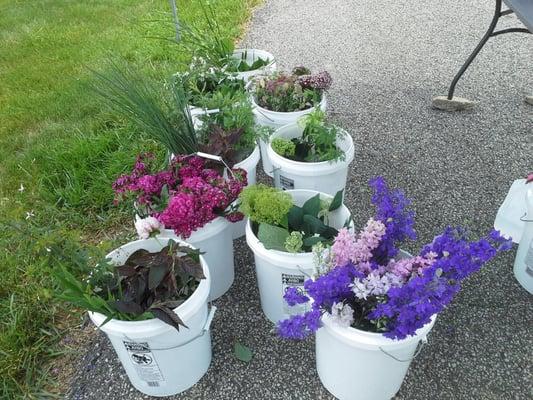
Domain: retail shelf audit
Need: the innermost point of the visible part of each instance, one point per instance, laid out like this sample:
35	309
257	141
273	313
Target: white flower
359	288
30	214
147	226
21	189
342	314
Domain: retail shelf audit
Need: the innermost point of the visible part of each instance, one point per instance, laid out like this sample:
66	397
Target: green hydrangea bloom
294	242
264	204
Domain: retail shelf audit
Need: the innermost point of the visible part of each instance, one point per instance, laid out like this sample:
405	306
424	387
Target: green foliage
163	115
272	237
235	113
147	285
264	204
318	141
242	352
283	147
298	229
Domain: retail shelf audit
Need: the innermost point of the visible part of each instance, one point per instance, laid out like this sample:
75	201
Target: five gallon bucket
215	240
358	365
158	359
276	120
277	270
327	177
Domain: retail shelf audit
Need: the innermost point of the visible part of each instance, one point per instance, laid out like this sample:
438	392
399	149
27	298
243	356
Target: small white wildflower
342	314
30	214
147	226
21	189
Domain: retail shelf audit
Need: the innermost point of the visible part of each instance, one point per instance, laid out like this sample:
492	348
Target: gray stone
529	100
455	104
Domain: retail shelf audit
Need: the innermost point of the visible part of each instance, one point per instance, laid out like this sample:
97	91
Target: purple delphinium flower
392	210
300	326
411	306
294	296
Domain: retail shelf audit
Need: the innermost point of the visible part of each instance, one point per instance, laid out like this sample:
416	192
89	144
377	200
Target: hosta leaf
337	201
167	315
272	237
311	241
314	224
312	206
296	218
242	352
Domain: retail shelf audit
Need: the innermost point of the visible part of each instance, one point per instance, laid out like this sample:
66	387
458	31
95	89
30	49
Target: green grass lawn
60	150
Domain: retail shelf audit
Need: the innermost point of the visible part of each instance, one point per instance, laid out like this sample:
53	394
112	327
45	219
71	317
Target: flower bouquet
367	293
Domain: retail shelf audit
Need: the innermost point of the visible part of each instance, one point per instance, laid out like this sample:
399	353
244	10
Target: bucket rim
285	114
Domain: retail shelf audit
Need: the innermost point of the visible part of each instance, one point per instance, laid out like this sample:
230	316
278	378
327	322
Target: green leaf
242	352
315	225
312	206
337	200
272	237
296	218
311	241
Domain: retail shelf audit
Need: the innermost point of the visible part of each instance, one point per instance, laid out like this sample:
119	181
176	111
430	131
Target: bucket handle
420	345
205	329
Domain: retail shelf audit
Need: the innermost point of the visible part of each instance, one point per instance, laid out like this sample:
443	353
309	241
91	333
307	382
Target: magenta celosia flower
184	197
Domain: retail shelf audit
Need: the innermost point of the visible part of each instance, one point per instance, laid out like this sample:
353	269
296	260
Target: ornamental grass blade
242	352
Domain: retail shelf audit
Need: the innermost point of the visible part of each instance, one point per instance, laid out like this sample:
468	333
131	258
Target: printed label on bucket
286	183
144	361
296	281
529	260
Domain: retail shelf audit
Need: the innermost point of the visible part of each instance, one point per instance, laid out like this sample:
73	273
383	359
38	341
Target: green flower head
294	242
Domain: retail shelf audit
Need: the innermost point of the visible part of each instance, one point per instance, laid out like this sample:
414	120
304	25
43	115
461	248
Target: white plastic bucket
358	365
274	119
249	164
158	359
215	240
277	270
251	56
327	177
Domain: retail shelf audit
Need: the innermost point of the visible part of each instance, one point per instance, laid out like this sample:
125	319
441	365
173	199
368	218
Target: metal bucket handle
420	345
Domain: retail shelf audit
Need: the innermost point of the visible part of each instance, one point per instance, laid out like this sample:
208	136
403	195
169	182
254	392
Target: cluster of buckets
351	364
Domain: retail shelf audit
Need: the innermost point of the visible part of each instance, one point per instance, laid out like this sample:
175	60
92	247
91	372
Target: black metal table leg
497	14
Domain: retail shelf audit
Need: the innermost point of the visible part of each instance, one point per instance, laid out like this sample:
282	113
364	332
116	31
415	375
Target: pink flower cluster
408	267
196	194
319	81
349	248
